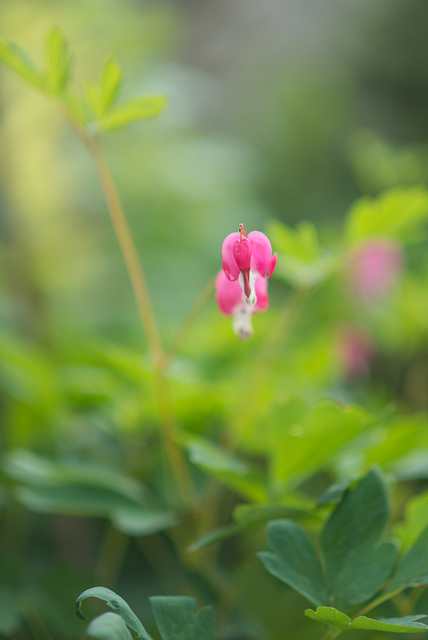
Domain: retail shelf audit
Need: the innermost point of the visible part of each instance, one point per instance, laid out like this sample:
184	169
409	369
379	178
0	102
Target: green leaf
412	569
9	612
135	109
117	604
416	519
396	213
329	615
176	618
49	487
335	618
229	469
111	75
247	517
17	60
356	563
294	561
58	61
301	260
109	626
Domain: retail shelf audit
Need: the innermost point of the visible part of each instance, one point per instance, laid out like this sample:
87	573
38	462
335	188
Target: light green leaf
176	618
329	615
301	260
294	561
396	213
135	109
111	75
58	61
142	521
109	626
17	60
412	569
416	519
117	604
339	620
357	563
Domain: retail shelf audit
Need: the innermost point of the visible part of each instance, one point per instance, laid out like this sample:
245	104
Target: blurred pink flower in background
356	352
374	269
246	258
231	302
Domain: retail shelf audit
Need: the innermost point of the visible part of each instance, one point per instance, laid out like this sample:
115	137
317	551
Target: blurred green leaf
339	620
108	626
294	561
356	562
58	61
111	75
412	569
9	612
396	213
176	617
229	469
140	108
17	60
301	260
85	490
117	604
415	520
301	438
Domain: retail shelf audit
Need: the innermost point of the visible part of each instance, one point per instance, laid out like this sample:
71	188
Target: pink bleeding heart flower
247	258
374	269
231	302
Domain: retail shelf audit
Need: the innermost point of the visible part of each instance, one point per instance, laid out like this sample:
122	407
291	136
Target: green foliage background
306	121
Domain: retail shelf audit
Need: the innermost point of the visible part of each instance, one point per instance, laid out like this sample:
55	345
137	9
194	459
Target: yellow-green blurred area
303	119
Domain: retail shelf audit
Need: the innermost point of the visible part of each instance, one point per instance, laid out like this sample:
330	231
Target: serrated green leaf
396	213
339	620
111	75
17	60
58	61
117	604
356	563
176	617
135	109
412	569
294	561
109	626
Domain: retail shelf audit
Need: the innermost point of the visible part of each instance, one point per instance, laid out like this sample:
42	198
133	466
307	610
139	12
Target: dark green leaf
117	604
9	612
294	561
135	109
176	618
356	563
109	626
17	60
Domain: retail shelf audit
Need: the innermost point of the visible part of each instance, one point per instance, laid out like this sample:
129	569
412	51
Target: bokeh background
281	109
